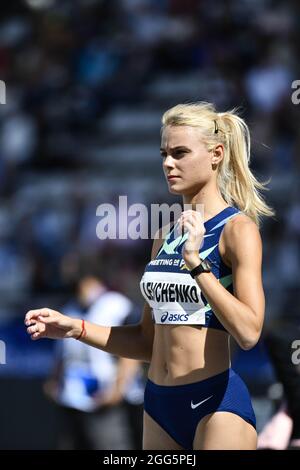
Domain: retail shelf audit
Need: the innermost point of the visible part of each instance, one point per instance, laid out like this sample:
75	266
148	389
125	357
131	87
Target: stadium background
86	83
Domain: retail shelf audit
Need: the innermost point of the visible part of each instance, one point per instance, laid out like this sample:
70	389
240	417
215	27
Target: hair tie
216	127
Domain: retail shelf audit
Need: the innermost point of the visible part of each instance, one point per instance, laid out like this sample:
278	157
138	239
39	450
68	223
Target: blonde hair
237	184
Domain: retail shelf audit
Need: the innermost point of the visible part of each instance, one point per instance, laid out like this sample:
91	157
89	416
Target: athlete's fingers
187	215
196	224
33	329
188	227
190	218
36	336
36	330
194	217
33	315
186	223
47	319
185	228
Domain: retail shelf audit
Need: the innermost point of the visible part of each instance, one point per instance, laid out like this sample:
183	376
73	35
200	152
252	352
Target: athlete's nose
168	162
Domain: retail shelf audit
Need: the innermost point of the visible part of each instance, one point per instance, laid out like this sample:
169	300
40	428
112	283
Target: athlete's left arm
242	314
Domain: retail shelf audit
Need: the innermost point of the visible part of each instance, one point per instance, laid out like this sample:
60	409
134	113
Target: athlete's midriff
188	353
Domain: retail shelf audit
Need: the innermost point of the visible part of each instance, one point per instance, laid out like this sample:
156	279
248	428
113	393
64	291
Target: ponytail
236	182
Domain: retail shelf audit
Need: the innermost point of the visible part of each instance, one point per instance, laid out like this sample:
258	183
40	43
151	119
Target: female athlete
202	285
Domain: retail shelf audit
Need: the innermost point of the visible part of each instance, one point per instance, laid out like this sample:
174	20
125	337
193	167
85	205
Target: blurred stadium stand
87	82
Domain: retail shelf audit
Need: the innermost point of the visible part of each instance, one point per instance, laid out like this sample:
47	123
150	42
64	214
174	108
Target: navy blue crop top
173	295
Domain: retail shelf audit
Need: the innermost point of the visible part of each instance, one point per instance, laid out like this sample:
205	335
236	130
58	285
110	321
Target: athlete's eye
179	152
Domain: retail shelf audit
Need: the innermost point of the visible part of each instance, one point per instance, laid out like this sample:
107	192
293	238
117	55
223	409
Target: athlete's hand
192	222
47	323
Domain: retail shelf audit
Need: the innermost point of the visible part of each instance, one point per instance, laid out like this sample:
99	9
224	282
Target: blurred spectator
283	430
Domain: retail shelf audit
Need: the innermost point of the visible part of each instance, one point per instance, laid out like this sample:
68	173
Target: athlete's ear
217	154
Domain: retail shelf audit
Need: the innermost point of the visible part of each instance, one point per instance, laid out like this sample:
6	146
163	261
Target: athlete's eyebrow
179	147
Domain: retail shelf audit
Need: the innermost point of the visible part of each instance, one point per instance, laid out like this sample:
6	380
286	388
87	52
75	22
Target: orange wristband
83	331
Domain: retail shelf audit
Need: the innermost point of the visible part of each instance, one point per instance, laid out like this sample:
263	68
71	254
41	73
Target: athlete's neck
209	198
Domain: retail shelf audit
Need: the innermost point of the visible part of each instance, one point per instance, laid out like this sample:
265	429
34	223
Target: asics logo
172	317
164	317
193	406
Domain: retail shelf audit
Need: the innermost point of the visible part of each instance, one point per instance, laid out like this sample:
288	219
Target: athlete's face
186	158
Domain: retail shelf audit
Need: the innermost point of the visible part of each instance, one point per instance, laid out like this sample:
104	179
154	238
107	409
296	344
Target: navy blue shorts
179	408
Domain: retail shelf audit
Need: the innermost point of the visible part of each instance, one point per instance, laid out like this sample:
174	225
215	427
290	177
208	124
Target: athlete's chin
174	188
174	191
177	190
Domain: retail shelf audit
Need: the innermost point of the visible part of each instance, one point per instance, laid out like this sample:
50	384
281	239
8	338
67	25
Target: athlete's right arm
131	341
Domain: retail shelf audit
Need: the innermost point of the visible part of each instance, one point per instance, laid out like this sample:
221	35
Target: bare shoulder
159	238
241	238
240	222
